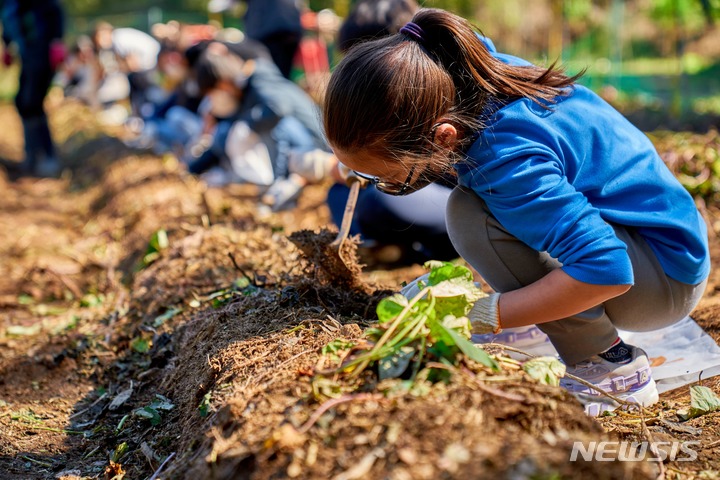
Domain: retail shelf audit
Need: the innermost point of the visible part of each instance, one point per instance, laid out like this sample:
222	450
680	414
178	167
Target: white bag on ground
249	156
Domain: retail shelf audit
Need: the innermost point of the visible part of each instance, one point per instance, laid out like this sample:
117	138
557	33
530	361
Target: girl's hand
283	192
485	315
314	166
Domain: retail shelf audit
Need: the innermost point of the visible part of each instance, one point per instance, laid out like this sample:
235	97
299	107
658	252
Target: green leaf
119	452
337	345
91	300
546	370
441	272
25	299
461	325
150	258
149	413
170	313
162	403
121	424
702	401
21	331
440	333
396	364
204	406
140	345
439	375
159	241
441	350
458	306
453	288
434	328
390	307
471	351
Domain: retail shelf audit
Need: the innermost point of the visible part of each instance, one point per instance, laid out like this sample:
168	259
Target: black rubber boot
40	159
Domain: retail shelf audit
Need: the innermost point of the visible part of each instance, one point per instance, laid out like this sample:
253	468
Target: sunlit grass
689	64
9	82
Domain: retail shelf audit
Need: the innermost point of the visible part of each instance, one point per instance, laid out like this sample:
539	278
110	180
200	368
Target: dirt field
152	328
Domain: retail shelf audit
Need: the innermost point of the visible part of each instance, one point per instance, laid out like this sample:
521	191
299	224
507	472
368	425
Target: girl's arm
557	295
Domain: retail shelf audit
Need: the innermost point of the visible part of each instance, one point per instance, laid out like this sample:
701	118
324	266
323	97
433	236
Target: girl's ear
446	135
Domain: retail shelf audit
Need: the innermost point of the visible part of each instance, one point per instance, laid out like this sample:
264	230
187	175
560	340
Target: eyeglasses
393	188
425	178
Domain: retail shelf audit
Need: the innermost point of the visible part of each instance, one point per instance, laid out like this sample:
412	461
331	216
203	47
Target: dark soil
196	359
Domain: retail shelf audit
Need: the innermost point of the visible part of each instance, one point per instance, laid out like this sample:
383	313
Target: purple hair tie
414	31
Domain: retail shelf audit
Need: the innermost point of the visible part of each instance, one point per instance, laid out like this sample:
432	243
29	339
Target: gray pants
506	263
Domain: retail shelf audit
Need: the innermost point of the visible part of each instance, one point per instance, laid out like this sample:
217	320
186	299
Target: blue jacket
269	97
558	178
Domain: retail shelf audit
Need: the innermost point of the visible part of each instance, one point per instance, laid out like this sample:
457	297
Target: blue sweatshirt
557	178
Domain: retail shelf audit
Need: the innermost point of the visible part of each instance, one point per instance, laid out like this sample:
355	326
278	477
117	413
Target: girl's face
392	177
224	100
369	164
395	175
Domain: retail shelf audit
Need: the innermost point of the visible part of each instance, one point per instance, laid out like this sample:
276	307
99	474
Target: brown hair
385	95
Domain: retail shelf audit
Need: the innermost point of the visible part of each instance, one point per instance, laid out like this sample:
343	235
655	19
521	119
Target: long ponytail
387	93
476	73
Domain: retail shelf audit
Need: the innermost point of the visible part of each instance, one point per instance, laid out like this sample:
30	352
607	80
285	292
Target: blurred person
261	119
312	58
192	34
76	76
370	19
132	53
179	124
172	124
33	29
561	205
168	34
276	24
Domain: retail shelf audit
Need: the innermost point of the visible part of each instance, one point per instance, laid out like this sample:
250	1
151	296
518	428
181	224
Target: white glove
314	165
283	192
485	315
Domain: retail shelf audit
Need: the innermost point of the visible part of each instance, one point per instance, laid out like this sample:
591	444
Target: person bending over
562	205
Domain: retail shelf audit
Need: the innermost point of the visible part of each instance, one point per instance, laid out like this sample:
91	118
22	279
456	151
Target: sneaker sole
596	405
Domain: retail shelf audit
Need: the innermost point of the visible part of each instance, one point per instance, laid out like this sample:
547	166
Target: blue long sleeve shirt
558	178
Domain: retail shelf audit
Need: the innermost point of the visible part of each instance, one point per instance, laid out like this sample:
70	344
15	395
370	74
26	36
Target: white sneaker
630	381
